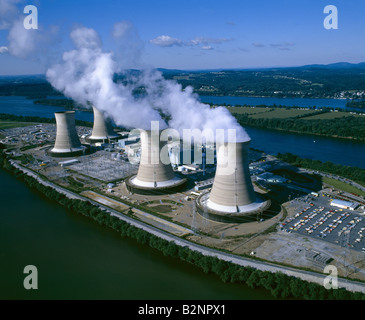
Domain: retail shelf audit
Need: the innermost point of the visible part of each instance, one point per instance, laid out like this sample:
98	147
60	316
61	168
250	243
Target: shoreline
307	276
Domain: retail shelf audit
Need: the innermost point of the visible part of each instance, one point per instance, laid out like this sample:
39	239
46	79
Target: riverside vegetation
279	284
353	173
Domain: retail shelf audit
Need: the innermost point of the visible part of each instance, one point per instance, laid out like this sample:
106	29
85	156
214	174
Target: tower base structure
173	185
67	153
232	214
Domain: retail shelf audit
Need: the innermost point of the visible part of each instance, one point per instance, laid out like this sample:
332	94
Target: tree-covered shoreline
278	284
353	173
349	127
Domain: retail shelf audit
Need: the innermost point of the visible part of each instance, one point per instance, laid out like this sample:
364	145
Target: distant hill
336	80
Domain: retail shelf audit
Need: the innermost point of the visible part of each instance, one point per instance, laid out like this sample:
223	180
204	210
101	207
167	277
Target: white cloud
280	45
199	42
258	45
207	41
31	43
166	41
4	49
8	12
206	47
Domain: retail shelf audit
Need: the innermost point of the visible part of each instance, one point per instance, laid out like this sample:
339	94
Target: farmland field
248	110
331	115
284	113
9	124
342	186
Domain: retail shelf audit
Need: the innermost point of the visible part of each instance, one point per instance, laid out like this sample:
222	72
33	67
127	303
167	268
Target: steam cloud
86	75
25	43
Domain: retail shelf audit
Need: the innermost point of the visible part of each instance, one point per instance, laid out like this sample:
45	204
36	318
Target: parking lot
316	218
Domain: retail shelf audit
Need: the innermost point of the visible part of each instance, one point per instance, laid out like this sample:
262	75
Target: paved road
264	266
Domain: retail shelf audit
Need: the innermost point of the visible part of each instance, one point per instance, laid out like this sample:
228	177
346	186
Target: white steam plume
86	75
185	109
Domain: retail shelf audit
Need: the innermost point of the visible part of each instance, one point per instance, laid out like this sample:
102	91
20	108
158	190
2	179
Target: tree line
278	284
36	119
352	173
345	127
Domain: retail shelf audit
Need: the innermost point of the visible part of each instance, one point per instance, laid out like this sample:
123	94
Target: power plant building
67	142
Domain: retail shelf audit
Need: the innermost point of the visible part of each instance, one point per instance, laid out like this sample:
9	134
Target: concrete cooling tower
232	192
67	141
102	129
155	173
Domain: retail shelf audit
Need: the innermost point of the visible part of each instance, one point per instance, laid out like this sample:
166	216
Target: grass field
248	110
331	115
269	113
9	124
283	113
342	186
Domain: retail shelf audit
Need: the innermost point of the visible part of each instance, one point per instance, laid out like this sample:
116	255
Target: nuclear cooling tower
67	141
102	129
155	173
232	192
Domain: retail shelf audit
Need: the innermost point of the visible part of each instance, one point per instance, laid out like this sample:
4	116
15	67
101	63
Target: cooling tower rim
65	112
55	150
261	204
177	187
103	137
63	153
252	207
172	183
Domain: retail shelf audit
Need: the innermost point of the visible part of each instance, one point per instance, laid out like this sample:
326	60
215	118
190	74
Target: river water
78	259
342	151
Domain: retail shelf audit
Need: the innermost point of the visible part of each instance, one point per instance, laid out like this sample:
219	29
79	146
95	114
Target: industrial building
102	128
271	178
67	142
155	173
344	204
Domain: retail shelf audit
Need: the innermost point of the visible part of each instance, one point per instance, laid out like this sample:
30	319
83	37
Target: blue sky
201	34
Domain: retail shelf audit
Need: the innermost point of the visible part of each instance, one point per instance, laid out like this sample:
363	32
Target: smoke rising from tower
87	74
